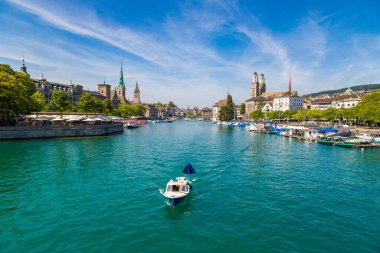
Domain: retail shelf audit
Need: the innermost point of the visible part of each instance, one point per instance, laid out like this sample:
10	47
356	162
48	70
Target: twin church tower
118	95
258	85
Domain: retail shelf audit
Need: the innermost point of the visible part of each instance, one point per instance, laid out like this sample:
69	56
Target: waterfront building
151	111
288	101
260	97
73	91
206	113
307	102
321	103
136	95
347	103
121	87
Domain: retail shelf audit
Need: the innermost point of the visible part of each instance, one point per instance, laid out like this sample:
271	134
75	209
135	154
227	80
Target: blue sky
193	52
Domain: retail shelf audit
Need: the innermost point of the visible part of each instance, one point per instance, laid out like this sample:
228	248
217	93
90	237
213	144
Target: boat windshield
184	188
169	188
175	188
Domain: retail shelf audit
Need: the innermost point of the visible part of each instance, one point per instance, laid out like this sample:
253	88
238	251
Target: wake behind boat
177	189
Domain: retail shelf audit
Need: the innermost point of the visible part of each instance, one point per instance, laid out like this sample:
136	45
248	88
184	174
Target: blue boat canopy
189	169
329	130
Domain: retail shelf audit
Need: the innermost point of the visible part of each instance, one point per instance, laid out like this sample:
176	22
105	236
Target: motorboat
366	137
131	126
251	128
177	189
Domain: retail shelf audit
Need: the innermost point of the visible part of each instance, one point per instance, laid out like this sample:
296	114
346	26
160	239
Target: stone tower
121	87
262	85
136	95
255	86
105	89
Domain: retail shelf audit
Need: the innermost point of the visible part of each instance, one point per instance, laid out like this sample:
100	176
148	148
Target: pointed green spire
121	81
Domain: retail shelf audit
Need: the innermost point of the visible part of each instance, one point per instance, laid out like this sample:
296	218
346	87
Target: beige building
206	113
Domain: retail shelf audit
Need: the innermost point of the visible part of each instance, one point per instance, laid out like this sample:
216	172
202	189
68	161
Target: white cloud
178	59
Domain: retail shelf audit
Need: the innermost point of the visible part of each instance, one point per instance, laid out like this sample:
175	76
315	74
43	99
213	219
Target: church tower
23	67
121	87
136	95
255	86
262	85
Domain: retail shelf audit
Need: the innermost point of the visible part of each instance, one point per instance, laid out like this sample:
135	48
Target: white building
268	107
347	103
287	102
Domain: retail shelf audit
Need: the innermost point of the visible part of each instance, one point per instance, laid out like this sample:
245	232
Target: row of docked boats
232	124
343	140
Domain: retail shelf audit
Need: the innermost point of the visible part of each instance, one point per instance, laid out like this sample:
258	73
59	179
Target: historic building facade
260	98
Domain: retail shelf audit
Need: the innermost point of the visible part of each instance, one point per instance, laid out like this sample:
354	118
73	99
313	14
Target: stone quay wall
33	132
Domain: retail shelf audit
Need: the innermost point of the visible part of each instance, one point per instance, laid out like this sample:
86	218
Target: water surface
254	193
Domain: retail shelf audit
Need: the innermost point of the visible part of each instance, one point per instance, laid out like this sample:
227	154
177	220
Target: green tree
368	110
330	114
59	101
139	110
257	114
16	89
171	105
315	114
125	110
38	102
242	109
227	112
107	106
272	114
86	103
301	115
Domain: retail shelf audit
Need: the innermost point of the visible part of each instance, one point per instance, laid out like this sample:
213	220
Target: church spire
290	84
23	67
121	81
137	88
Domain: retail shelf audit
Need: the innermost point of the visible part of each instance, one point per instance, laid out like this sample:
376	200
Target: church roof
260	99
276	93
349	90
121	81
222	102
137	88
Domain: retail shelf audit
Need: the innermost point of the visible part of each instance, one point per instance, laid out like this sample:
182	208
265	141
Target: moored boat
178	189
326	141
131	126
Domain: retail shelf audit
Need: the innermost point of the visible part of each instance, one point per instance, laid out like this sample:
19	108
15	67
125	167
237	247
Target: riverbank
58	131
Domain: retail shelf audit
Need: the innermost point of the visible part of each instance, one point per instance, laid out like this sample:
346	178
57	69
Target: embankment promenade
35	132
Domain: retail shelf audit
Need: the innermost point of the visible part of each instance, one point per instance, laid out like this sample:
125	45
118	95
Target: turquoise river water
253	193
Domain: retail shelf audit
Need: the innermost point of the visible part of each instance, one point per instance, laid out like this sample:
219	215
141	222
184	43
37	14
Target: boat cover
189	169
